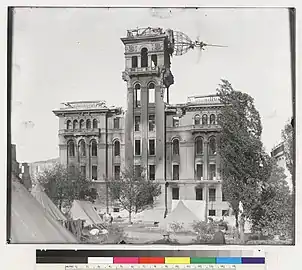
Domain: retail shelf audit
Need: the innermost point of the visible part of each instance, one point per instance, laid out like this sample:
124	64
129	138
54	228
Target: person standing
219	238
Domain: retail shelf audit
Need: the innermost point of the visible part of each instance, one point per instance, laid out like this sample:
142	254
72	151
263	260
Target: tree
244	163
63	186
288	139
133	191
274	211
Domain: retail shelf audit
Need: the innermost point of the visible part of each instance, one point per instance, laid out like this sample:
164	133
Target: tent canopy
47	203
84	210
181	214
30	223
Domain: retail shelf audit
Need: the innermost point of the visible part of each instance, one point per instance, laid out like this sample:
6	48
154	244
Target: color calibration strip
176	260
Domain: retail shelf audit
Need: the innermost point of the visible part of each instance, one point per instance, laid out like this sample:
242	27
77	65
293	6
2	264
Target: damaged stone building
176	144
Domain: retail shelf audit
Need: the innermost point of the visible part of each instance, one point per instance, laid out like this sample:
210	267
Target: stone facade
176	144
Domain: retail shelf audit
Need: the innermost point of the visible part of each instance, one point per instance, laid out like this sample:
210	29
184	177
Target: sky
65	54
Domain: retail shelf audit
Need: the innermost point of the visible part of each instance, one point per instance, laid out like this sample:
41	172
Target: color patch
206	260
177	260
151	260
125	260
228	260
253	260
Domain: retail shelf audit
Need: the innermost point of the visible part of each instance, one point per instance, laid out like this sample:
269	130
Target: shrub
177	227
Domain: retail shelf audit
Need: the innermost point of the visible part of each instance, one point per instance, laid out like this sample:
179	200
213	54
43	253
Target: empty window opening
137	121
137	95
175	193
94	172
212	146
199	171
71	149
151	93
175	147
117	172
198	192
152	147
212	119
82	148
94	151
225	213
134	62
212	213
116	210
88	124
204	119
95	123
75	124
117	148
144	57
153	60
151	172
175	172
137	147
212	172
116	123
151	122
199	146
68	125
212	194
197	119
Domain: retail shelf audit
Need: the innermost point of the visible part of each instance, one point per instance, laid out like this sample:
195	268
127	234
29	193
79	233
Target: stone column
205	160
145	127
129	129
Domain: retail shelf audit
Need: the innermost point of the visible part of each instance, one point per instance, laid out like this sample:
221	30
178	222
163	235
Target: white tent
30	223
84	210
47	204
196	207
181	215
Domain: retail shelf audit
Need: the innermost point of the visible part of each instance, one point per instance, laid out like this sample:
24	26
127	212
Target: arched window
175	147
197	119
137	95
144	57
82	148
204	119
94	150
212	146
95	123
134	62
70	148
117	148
88	124
75	124
151	93
212	119
68	124
82	122
198	146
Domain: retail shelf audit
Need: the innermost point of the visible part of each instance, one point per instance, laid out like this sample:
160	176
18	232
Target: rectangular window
154	60
137	121
116	210
212	213
225	213
137	98
151	147
152	172
94	172
117	171
199	171
116	123
175	172
175	193
151	122
137	171
212	194
137	147
83	171
175	122
198	194
212	172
